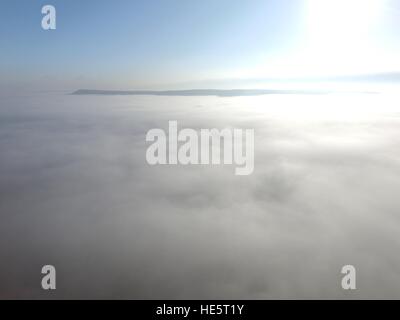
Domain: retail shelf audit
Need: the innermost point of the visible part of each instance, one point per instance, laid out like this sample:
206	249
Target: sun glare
338	40
341	21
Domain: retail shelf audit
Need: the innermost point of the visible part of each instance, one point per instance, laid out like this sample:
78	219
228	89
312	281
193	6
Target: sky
128	44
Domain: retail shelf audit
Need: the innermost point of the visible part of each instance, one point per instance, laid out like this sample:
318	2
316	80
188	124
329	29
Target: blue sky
140	44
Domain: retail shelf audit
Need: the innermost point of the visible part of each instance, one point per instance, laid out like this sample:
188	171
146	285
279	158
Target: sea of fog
76	192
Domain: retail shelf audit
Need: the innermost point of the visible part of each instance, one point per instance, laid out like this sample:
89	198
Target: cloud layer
76	192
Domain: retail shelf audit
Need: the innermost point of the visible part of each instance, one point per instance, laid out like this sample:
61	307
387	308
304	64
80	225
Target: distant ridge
198	92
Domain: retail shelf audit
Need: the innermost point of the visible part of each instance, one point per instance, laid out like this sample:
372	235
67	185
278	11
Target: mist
76	192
